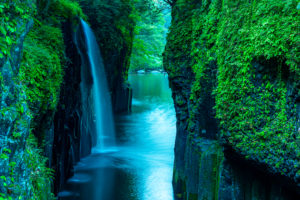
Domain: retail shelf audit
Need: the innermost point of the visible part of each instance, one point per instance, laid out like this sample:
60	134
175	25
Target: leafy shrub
41	70
41	176
10	11
67	9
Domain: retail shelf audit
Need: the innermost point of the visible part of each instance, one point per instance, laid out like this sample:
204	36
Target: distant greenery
149	36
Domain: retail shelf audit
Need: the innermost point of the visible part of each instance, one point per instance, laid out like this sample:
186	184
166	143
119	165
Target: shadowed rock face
70	144
115	45
73	132
208	174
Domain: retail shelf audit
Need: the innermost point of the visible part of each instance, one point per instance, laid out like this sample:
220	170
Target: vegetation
38	81
149	38
264	114
39	78
251	48
66	9
255	46
41	177
12	10
43	49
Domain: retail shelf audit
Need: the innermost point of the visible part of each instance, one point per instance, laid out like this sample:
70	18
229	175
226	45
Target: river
141	166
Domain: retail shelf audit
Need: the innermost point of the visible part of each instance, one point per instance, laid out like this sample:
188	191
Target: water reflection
142	166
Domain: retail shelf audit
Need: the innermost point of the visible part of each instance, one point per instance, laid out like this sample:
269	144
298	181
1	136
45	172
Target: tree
149	35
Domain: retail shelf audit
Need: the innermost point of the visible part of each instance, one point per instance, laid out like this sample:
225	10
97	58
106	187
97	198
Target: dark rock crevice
68	118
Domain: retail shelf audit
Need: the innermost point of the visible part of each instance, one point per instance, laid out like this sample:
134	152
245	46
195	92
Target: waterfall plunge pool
141	167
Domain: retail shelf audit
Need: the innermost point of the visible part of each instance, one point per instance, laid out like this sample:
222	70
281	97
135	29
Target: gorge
213	114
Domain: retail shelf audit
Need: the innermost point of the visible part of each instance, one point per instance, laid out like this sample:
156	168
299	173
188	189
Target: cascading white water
102	103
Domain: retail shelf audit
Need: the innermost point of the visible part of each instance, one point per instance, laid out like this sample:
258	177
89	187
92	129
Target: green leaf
3	156
3	178
8	40
2	30
7	150
22	109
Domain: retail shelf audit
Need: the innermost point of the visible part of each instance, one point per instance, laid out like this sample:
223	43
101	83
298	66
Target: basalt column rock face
209	174
73	125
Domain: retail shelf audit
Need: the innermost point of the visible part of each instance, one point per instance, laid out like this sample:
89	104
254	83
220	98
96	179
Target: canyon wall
43	133
234	72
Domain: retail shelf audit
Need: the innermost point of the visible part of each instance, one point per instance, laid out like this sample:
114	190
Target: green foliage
41	176
37	86
7	182
179	39
149	41
67	9
257	117
10	12
41	70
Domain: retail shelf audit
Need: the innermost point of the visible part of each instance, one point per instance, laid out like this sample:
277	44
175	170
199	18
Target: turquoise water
141	166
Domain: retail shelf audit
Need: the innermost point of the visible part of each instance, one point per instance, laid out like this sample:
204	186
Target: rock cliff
234	72
43	130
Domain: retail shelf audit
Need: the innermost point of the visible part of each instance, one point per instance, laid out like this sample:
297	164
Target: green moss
67	9
41	176
12	13
255	114
37	87
178	47
41	70
254	119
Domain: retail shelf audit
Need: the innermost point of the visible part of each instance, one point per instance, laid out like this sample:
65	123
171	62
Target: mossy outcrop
40	108
234	71
24	172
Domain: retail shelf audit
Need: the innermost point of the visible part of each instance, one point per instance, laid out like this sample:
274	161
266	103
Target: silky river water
140	166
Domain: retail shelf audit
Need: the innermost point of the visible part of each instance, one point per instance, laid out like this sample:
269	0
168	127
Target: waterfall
103	116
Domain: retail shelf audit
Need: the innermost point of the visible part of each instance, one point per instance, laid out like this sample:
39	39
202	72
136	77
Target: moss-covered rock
244	57
36	51
31	67
18	163
42	67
